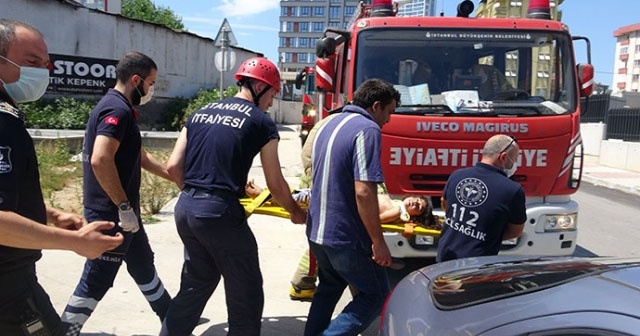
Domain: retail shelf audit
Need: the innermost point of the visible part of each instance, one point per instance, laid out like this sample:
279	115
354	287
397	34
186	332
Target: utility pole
225	64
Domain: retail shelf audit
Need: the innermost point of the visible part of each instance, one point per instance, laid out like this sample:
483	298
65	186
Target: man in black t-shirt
112	158
24	305
211	160
483	206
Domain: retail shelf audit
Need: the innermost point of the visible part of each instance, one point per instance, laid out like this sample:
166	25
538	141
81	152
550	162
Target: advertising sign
81	75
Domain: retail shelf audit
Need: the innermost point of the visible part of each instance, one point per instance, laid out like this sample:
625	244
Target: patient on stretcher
410	209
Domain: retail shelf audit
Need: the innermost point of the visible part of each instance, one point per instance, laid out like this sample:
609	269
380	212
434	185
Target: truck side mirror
585	76
325	46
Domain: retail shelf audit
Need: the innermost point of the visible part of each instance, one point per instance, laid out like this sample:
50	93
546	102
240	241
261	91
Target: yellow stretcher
262	205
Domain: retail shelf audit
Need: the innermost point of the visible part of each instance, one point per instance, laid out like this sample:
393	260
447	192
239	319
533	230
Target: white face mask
146	98
31	85
510	171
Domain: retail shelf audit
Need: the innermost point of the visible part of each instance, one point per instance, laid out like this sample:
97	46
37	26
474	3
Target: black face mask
137	94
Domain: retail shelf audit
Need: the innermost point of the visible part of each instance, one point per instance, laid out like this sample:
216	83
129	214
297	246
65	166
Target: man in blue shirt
483	206
343	225
112	158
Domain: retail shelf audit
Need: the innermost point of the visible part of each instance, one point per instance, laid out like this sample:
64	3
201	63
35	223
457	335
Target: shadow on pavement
582	252
287	128
271	326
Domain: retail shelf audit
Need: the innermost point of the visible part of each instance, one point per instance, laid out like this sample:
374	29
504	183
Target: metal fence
622	122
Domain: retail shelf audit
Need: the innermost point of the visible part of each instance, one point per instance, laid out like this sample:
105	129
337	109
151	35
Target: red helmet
261	69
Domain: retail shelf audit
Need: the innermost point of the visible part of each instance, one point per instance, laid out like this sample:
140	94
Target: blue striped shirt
346	149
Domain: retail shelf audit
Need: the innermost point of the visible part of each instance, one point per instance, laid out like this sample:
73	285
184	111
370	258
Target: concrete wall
611	153
185	61
286	112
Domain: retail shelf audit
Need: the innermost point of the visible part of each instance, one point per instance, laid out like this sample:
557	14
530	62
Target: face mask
31	85
146	98
138	98
509	172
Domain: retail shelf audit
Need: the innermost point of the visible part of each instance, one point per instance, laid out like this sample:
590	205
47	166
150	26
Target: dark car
507	295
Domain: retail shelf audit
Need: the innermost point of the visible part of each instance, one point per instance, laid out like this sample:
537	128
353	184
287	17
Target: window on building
638	49
624	50
336	1
635	78
636	63
303	42
318	26
544	57
288	26
282	42
304	26
349	10
318	11
334	23
302	57
305	11
287	57
334	12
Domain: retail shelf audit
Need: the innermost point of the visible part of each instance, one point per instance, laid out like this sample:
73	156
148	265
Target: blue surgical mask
31	85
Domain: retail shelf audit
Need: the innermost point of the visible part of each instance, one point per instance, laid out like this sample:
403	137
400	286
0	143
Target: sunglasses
513	139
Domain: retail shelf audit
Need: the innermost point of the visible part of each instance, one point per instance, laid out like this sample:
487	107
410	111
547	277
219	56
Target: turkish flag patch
111	120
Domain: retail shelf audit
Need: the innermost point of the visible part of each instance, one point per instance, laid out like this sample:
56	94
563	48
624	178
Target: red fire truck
462	80
306	78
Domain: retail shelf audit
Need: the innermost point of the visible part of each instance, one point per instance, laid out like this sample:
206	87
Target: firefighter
211	160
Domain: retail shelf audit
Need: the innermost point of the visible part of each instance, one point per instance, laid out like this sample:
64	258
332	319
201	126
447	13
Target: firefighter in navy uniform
112	160
25	308
211	160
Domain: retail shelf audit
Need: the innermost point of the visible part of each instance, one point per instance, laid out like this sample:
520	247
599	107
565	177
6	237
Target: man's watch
124	206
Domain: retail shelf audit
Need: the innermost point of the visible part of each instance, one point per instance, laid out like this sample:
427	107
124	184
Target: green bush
61	113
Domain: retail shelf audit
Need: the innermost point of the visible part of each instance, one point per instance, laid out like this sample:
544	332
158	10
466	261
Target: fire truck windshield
467	72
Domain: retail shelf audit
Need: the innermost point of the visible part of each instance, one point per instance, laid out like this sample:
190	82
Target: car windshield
472	286
471	72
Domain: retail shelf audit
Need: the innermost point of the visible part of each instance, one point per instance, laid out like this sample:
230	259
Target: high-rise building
626	66
416	7
302	23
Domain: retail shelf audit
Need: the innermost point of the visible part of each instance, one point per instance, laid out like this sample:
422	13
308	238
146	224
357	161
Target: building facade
626	66
302	23
416	7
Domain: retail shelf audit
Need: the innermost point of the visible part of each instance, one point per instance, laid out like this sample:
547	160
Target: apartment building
626	66
416	7
302	22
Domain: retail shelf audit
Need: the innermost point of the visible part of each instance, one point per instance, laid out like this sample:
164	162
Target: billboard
81	75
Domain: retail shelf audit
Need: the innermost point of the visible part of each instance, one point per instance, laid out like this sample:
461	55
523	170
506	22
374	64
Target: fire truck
306	78
463	79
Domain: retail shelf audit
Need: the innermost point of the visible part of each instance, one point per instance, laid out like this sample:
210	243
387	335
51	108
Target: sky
255	24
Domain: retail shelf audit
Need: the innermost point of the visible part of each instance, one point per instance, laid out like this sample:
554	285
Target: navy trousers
218	243
98	276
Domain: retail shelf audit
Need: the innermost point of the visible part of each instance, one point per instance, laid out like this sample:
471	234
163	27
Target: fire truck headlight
560	222
304	133
312	111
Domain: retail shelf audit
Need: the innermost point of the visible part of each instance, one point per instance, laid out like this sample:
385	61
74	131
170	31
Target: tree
147	11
